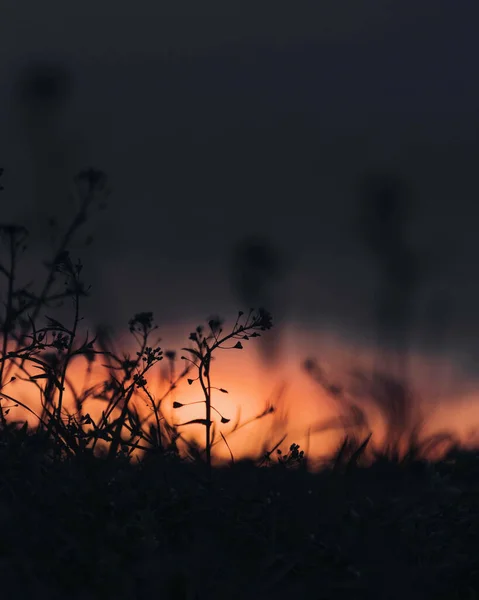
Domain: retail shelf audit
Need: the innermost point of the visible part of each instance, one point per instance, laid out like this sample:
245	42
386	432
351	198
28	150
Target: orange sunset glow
305	412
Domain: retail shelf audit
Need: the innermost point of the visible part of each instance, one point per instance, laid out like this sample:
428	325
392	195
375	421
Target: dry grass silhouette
80	518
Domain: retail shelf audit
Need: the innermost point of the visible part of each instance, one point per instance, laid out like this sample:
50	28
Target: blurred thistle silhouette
257	269
42	93
385	212
44	86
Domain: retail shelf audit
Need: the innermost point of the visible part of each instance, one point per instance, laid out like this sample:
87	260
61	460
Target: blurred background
317	158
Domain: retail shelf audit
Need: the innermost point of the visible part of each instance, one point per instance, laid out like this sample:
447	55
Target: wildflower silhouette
201	356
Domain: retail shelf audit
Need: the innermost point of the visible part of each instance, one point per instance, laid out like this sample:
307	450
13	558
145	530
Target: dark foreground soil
87	529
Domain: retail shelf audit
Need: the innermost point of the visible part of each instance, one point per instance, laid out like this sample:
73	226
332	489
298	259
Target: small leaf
190	381
177	405
238	345
223	391
55	323
225	420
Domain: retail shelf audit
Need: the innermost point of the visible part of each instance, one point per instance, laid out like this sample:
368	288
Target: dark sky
218	120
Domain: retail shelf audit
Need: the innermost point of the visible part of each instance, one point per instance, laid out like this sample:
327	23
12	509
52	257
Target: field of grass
82	521
85	527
